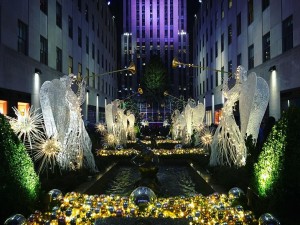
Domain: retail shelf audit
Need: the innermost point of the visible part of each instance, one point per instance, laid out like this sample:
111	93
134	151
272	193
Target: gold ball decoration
142	197
268	219
16	219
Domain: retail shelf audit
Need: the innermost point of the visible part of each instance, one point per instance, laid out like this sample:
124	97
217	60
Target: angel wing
259	106
198	115
54	108
246	99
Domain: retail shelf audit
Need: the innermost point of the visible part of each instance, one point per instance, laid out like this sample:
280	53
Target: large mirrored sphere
268	219
142	197
16	219
55	194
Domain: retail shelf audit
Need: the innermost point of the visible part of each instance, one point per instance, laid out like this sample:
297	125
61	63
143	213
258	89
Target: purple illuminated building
154	27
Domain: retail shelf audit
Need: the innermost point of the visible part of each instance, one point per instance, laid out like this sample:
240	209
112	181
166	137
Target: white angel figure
61	109
198	116
131	122
253	103
228	145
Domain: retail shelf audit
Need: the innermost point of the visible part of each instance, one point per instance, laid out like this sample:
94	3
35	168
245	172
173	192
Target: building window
94	80
70	65
70	27
265	4
23	107
238	24
87	71
87	45
79	37
250	57
250	12
216	49
217	78
79	69
287	34
93	23
86	13
239	59
229	4
3	107
43	50
58	14
22	38
230	66
44	6
222	10
79	5
229	34
93	51
222	73
98	56
222	42
58	59
266	47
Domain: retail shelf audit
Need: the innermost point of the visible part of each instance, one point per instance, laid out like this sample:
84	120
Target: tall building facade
43	40
154	27
261	35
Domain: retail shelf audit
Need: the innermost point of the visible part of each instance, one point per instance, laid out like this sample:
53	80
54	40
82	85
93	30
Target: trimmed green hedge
20	186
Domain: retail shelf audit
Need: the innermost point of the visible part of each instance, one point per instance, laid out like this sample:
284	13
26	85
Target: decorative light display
76	208
61	108
101	128
186	122
129	152
119	124
28	125
228	145
46	152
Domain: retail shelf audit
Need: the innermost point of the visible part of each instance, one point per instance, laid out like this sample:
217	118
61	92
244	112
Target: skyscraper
154	27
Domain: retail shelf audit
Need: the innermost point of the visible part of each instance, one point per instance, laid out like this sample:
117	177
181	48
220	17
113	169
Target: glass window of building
87	44
239	59
230	66
58	59
222	10
216	49
58	14
93	22
44	6
23	107
265	4
250	57
79	5
86	12
22	38
250	12
287	34
217	78
222	42
79	69
229	34
79	37
43	50
238	24
3	107
229	4
70	65
87	75
266	47
70	27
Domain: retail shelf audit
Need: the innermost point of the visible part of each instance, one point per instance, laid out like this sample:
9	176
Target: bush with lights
277	172
20	185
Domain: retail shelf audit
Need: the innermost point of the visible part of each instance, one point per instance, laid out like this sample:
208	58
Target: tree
20	186
155	79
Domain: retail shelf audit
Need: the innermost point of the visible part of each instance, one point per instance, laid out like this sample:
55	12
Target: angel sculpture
61	109
228	145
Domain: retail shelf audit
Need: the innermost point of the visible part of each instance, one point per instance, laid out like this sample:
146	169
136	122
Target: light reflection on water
174	181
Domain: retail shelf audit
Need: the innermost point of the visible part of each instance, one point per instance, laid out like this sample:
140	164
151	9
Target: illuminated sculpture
61	108
184	123
228	145
118	123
